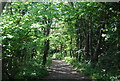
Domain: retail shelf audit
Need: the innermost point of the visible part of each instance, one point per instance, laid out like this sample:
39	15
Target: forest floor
60	70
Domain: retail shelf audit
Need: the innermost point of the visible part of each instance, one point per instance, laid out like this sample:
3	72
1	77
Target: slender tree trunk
46	42
90	43
77	40
65	51
71	47
97	50
77	45
87	47
46	49
61	49
90	36
80	46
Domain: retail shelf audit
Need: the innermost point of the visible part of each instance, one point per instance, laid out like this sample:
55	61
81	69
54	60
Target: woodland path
61	71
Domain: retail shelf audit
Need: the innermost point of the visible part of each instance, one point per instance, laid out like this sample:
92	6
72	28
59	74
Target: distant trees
92	33
89	25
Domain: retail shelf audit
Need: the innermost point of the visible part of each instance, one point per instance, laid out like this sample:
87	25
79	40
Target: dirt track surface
60	71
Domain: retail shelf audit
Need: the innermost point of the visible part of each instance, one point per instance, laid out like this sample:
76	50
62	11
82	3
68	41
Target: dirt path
61	70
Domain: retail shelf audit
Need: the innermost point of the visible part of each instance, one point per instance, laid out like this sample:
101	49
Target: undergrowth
97	73
32	69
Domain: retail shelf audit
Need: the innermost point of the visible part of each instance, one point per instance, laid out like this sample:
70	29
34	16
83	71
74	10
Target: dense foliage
86	35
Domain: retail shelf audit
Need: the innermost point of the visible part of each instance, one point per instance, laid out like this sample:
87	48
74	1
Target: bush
49	61
32	70
58	56
95	73
70	60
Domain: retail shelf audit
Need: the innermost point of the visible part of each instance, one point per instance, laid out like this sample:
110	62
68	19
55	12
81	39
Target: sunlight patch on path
62	70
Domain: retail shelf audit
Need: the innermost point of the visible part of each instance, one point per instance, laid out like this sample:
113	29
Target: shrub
31	70
58	56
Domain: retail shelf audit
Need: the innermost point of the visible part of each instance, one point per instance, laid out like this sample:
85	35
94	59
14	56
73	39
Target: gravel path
60	71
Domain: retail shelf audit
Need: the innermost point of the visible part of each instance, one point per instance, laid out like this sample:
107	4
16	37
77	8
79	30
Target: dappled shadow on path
61	71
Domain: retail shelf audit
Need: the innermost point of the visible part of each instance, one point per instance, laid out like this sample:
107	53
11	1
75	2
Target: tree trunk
46	49
97	50
90	43
87	47
61	45
46	42
71	47
80	46
77	40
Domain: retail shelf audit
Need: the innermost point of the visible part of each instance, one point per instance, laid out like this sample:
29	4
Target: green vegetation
94	73
84	34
